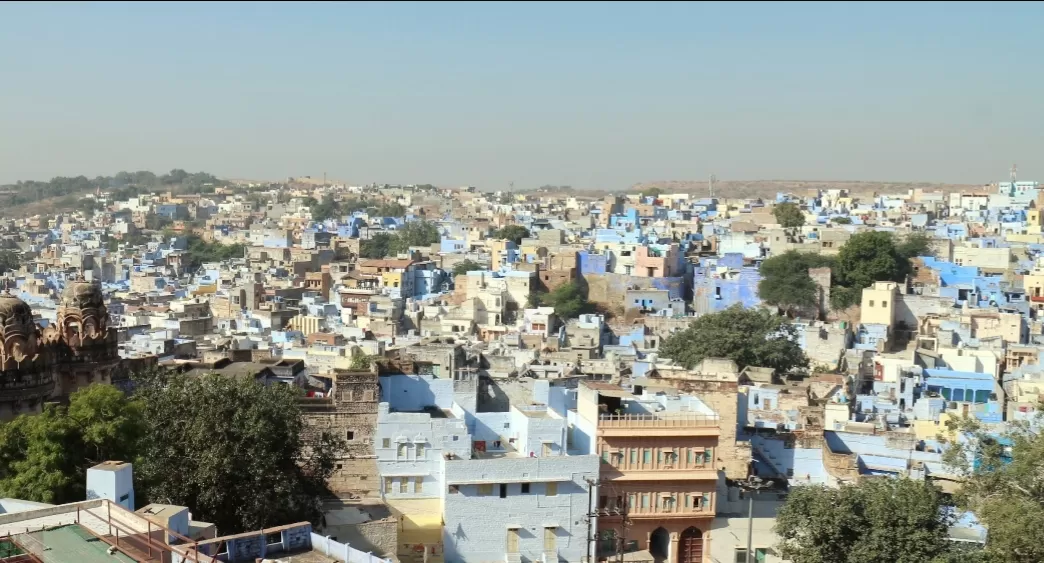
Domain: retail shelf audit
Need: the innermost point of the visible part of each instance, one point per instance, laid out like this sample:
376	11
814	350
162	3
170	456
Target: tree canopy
789	215
213	443
414	233
8	261
45	457
880	520
209	443
1001	484
873	256
376	246
785	281
749	337
200	252
512	232
465	266
325	209
569	300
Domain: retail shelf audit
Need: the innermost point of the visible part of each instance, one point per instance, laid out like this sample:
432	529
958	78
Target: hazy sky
586	94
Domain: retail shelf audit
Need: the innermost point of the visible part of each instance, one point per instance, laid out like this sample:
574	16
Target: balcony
675	424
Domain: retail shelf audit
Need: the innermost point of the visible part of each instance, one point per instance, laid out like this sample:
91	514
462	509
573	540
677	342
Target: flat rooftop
434	412
66	544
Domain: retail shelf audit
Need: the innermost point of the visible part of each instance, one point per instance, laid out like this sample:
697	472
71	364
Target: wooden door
690	546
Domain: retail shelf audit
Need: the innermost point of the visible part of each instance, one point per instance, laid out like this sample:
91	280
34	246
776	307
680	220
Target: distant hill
65	193
745	189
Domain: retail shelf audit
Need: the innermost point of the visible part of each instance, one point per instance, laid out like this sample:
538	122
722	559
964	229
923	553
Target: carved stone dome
15	315
82	295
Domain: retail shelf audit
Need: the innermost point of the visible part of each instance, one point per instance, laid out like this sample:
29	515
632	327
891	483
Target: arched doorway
660	544
690	546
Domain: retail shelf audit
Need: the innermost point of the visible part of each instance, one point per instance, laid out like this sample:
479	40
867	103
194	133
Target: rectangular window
403	486
402	451
503	490
659	457
485	490
550	534
418	484
871	302
525	488
551	490
386	443
388	484
884	303
708	455
420	451
646	456
634	456
706	501
645	500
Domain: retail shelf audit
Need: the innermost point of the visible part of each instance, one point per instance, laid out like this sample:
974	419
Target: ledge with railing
671	420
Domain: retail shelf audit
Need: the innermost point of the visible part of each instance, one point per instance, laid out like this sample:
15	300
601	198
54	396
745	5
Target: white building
503	480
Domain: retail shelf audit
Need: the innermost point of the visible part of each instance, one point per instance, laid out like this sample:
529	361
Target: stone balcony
674	424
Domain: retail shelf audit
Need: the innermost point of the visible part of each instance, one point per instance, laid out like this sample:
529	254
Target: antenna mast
1014	171
713	179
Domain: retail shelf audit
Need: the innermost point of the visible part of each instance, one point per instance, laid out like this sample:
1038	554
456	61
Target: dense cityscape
422	373
521	282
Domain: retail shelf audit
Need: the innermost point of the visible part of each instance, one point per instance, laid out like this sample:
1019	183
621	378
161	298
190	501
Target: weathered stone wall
379	537
351	415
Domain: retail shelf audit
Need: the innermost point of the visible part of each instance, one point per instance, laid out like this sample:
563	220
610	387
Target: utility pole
713	179
750	486
592	513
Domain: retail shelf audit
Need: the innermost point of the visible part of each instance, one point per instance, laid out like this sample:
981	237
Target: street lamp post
752	485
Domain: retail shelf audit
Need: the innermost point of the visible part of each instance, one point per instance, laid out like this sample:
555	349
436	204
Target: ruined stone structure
37	365
350	412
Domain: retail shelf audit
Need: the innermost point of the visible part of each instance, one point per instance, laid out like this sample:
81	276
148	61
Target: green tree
326	209
652	192
465	266
914	244
867	257
785	281
200	252
414	233
8	261
568	299
749	337
877	521
789	215
154	222
45	457
88	205
513	233
841	220
1002	485
236	451
391	209
376	246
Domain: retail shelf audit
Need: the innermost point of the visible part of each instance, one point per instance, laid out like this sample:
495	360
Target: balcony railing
679	420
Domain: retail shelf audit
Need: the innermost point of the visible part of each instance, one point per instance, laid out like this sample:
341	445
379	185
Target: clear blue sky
586	94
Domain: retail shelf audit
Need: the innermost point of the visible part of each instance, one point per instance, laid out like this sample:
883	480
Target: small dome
15	313
81	294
